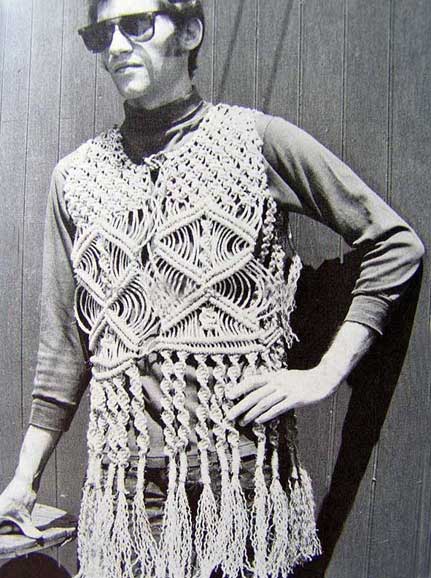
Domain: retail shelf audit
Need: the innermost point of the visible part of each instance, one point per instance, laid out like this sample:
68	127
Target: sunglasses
135	27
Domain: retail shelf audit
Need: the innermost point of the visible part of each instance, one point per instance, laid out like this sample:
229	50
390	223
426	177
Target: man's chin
131	90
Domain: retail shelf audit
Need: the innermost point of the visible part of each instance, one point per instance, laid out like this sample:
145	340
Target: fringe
115	542
207	542
86	523
261	510
234	523
144	543
121	541
304	542
104	517
91	524
184	531
175	548
278	560
168	557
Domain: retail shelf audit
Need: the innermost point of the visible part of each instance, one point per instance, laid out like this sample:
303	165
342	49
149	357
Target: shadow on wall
278	56
33	566
322	302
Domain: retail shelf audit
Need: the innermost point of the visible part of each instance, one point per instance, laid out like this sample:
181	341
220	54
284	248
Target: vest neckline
114	134
144	121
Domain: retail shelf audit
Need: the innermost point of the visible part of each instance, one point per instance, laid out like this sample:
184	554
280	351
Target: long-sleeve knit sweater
304	177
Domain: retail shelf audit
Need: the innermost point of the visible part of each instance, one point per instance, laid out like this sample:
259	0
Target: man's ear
191	34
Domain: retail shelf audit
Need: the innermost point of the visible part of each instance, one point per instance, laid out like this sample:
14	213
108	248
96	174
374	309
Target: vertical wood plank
16	28
78	82
278	58
366	94
3	20
204	76
404	449
365	150
320	109
235	66
77	114
109	104
42	155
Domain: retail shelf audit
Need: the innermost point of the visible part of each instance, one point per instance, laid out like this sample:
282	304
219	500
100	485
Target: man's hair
179	10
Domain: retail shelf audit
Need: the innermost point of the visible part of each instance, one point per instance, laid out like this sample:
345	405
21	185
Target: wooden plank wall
355	74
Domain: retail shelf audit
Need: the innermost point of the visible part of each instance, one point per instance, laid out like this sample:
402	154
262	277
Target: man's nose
119	43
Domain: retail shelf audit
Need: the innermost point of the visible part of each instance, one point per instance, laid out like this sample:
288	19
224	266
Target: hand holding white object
16	504
19	497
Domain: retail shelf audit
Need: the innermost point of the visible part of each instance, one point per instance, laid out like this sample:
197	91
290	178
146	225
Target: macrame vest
180	256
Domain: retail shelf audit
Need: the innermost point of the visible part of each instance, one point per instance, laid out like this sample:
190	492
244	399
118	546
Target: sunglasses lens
98	37
140	27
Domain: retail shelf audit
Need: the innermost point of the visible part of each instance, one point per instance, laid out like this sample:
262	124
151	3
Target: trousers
156	487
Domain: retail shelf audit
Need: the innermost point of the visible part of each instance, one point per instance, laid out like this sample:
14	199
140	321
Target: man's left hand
269	395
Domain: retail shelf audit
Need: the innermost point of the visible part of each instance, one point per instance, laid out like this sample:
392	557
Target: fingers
261	408
259	396
247	385
276	411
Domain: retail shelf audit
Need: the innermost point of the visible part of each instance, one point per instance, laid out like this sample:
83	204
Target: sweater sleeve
62	370
307	178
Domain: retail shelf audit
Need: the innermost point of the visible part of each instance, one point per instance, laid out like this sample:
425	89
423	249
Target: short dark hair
179	10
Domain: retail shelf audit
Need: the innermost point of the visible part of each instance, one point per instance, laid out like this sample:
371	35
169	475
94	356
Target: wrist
20	491
37	446
27	475
329	376
350	344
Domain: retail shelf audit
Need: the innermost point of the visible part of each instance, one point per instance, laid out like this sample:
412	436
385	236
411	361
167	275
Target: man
162	242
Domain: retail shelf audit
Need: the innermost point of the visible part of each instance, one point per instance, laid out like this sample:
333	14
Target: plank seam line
426	478
213	50
299	111
343	106
96	64
390	101
334	405
4	30
296	221
420	511
60	100
256	55
59	132
389	112
344	81
330	461
27	129
429	340
371	510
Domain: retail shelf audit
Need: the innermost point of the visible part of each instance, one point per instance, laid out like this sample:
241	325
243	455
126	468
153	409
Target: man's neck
146	131
147	120
152	102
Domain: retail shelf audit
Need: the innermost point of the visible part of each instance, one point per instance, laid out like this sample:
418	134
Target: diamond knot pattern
170	263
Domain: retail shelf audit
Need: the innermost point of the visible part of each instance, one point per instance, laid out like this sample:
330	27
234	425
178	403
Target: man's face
146	73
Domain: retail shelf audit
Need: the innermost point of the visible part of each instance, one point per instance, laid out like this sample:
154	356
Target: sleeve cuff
372	311
49	415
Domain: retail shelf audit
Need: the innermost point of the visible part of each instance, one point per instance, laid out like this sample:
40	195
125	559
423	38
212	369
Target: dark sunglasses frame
98	37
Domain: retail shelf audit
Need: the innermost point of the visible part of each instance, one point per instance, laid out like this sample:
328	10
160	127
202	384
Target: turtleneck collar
146	132
138	120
